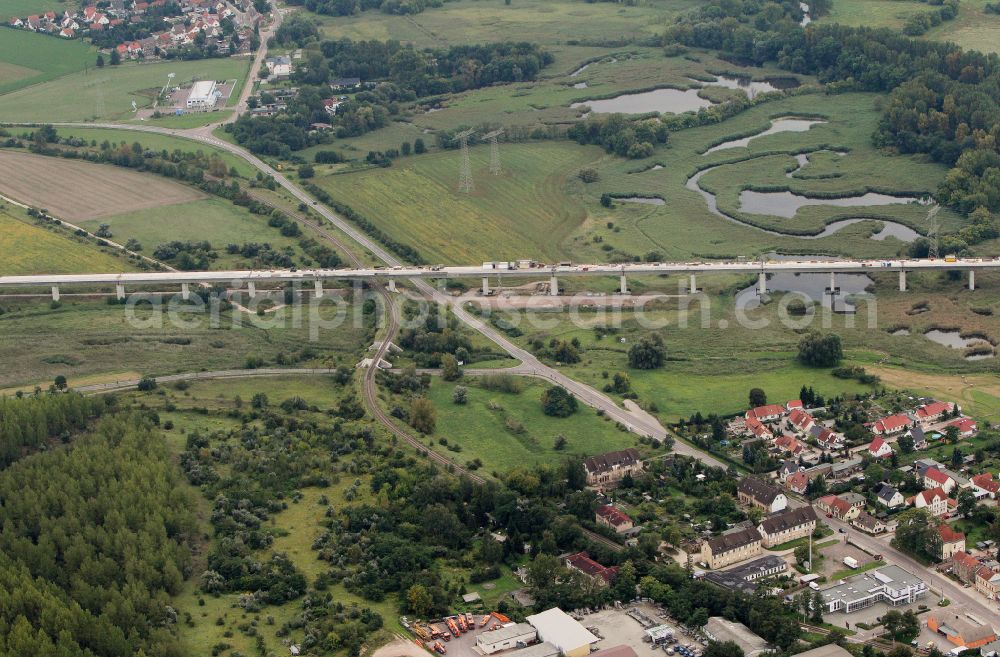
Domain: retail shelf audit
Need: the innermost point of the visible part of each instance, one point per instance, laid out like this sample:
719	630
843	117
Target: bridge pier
972	280
185	291
833	289
318	285
623	287
554	286
55	293
252	289
762	284
902	280
692	285
486	286
120	292
392	284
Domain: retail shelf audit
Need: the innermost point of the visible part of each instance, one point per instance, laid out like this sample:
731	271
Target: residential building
854	499
601	575
746	577
608	469
788	444
800	421
919	439
890	497
892	425
786	525
934	411
950	623
518	635
754	492
889	584
988	580
616	519
964	566
798	482
731	547
838	508
794	404
952	541
767	413
827	438
986	483
879	448
934	478
967	427
934	500
844	469
757	428
721	630
560	629
866	522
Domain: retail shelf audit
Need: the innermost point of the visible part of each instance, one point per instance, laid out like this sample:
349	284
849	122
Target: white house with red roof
828	439
891	425
966	426
934	500
16	22
797	482
951	541
757	428
879	448
934	478
800	420
987	484
934	411
795	403
766	413
614	518
789	444
67	33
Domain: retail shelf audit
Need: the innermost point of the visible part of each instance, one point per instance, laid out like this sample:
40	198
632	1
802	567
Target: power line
933	224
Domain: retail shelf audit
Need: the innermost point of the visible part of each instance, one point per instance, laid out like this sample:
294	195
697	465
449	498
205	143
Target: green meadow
29	59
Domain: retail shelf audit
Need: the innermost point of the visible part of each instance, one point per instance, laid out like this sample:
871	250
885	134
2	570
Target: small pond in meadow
784	124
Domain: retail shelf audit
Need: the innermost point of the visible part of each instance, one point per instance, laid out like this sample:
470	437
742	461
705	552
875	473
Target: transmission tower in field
495	167
465	183
932	231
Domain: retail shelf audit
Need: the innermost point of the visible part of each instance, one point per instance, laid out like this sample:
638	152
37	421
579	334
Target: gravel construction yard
74	190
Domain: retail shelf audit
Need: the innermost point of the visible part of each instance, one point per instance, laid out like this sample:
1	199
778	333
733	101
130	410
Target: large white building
203	96
889	584
510	636
560	629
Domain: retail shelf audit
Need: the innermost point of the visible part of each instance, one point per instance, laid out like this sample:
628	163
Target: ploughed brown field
75	190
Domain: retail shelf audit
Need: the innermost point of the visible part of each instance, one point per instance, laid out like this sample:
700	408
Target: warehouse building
203	96
558	628
721	630
518	635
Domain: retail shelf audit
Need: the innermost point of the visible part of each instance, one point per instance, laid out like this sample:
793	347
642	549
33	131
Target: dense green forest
93	541
26	424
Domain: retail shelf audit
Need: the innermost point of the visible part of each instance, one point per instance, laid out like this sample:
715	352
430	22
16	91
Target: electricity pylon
932	230
495	167
465	183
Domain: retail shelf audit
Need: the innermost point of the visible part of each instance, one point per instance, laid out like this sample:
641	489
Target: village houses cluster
153	30
789	504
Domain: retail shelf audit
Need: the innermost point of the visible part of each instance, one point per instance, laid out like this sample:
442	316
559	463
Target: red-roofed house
934	478
964	565
50	15
800	420
766	413
797	482
934	500
934	411
582	562
828	439
988	582
838	508
879	448
987	484
89	13
967	427
33	22
788	444
952	541
755	427
16	22
795	403
67	33
893	424
614	518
